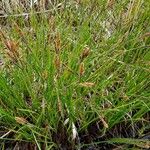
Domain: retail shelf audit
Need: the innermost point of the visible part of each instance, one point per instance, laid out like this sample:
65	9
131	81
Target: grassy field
75	75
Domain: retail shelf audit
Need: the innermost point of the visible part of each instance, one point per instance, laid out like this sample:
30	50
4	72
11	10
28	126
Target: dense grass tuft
76	76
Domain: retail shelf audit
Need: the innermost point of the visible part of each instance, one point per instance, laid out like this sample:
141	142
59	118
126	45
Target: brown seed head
57	43
57	62
21	120
87	84
12	47
85	53
81	69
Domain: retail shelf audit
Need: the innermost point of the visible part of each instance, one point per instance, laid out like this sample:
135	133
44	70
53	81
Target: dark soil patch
91	139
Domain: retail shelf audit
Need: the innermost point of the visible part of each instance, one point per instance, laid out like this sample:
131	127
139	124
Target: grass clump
76	76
